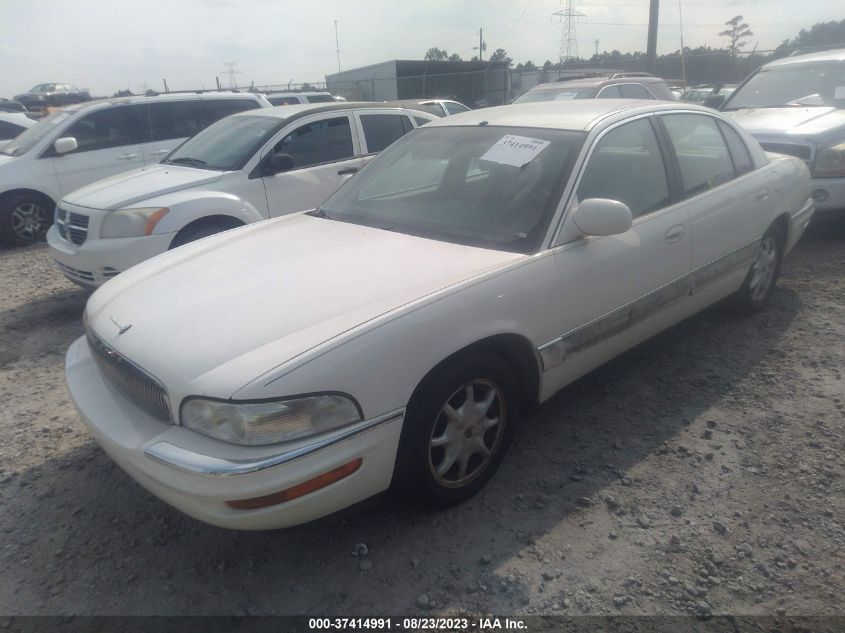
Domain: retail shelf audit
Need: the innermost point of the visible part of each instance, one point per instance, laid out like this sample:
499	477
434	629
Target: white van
248	167
90	141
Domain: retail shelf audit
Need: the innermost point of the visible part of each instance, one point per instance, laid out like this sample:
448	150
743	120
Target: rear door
725	196
109	143
324	149
170	123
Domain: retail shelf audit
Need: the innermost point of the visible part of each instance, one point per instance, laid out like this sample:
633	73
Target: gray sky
106	45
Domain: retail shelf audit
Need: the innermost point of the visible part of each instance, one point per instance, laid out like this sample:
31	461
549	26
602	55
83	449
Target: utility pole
569	38
597	48
651	51
683	58
337	45
481	45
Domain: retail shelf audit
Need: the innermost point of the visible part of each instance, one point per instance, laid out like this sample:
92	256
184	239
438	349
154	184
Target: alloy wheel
29	221
467	433
764	268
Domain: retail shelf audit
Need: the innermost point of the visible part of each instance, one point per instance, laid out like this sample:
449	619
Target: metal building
477	84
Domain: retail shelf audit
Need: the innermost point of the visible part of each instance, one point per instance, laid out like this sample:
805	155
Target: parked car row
52	95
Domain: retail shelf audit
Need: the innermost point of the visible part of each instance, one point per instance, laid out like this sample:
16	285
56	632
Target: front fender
186	207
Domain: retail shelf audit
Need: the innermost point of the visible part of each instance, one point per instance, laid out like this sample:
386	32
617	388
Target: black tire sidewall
7	235
743	300
413	474
186	236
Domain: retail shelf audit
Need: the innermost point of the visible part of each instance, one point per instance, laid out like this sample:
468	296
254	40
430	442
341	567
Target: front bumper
197	474
829	193
96	261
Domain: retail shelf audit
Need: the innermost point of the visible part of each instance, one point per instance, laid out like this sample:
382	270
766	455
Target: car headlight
262	423
132	222
830	162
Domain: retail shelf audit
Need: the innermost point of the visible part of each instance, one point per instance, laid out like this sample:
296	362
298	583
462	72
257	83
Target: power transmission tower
232	72
569	17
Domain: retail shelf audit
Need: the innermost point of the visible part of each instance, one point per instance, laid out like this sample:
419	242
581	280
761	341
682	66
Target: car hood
798	122
212	316
133	186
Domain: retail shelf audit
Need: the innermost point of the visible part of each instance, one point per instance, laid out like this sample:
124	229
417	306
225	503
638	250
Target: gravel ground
701	472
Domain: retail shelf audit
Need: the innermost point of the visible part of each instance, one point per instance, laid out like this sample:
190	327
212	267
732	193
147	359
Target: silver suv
618	86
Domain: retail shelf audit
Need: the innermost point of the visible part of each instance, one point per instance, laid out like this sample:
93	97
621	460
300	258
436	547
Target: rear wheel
457	429
760	282
25	218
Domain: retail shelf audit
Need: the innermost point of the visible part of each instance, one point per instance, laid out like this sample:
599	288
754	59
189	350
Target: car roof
167	96
836	55
592	82
307	93
581	115
19	118
297	111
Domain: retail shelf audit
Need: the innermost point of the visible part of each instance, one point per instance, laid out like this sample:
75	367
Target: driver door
325	151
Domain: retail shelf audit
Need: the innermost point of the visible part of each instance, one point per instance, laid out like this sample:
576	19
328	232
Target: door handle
127	156
675	233
348	172
762	194
159	152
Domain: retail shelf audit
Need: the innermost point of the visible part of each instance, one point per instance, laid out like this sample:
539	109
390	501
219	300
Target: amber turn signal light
299	490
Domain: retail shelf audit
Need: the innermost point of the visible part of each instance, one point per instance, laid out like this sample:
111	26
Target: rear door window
455	108
609	92
174	119
380	130
703	157
739	152
318	142
634	91
215	109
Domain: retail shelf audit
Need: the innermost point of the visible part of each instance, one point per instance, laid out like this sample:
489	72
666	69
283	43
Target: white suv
87	142
248	167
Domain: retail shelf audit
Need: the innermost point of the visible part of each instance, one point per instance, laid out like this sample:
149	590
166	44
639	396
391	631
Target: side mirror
65	145
600	216
714	101
276	164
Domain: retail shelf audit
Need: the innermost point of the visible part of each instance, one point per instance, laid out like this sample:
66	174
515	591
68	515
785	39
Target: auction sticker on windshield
515	150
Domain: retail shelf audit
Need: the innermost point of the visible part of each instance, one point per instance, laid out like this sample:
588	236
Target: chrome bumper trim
191	462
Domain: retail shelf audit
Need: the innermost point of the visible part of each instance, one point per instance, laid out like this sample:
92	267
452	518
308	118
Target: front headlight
132	222
261	423
830	162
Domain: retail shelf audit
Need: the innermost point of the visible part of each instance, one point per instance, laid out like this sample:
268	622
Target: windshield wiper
187	160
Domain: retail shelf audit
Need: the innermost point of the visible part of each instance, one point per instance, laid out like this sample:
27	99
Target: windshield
794	85
494	187
564	93
227	144
29	139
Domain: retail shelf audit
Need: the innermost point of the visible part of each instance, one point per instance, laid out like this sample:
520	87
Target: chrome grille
72	227
136	384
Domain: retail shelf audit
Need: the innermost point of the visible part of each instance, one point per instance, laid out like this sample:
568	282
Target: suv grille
72	227
136	384
804	152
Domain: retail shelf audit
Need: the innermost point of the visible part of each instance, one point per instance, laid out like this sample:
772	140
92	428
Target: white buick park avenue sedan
274	374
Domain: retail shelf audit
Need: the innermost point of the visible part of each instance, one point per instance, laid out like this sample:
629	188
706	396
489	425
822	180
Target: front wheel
760	282
24	219
457	429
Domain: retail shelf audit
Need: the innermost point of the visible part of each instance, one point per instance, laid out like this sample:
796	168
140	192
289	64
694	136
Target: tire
441	459
25	218
762	277
196	232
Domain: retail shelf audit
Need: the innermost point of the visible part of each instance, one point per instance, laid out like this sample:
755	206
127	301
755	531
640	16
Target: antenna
231	71
337	45
569	38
